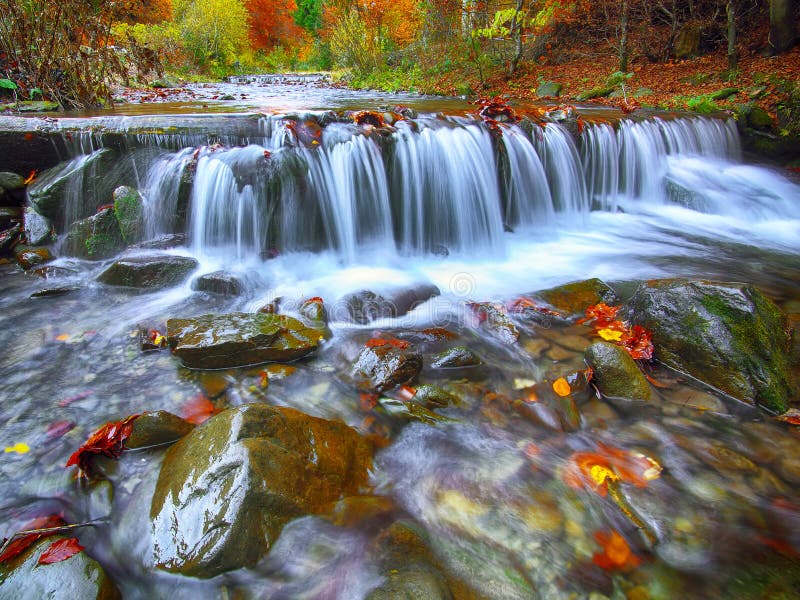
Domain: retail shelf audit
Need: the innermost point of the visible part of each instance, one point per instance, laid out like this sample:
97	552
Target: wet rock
29	257
77	577
226	490
38	229
54	291
157	428
11	181
493	319
218	282
407	411
380	368
164	242
366	306
432	396
239	339
9	238
574	298
459	356
129	211
549	89
615	372
9	216
727	335
314	311
158	271
96	237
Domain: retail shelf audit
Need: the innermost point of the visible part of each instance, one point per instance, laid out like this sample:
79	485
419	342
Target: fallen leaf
22	542
31	178
198	409
561	387
60	550
610	335
63	337
19	448
616	554
58	428
595	470
378	342
108	441
791	416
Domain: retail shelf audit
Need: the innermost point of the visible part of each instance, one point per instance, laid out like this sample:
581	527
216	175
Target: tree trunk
730	11
516	35
782	32
623	38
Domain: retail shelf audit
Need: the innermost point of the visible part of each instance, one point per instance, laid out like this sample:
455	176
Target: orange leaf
198	410
108	441
616	554
561	387
791	416
31	178
60	550
23	542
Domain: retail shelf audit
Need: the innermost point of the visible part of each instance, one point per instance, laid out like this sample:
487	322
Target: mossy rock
129	211
727	335
95	238
80	576
239	339
597	92
575	297
723	94
28	256
381	368
758	118
11	181
157	428
616	373
151	272
226	490
549	89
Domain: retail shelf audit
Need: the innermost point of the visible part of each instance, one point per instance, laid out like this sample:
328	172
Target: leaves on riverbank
60	550
108	441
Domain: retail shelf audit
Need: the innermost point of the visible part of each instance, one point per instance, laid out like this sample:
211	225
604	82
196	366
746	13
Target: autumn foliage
636	340
108	441
607	465
271	23
20	543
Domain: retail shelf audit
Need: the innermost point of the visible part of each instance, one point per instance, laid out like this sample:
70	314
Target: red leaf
108	441
639	343
616	553
60	550
378	342
57	429
23	542
198	410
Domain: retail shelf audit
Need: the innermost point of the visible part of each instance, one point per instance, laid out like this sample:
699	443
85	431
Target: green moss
129	211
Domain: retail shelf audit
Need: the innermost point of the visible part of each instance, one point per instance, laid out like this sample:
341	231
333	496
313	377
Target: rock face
225	490
239	339
380	368
616	373
96	237
129	211
77	577
157	271
726	334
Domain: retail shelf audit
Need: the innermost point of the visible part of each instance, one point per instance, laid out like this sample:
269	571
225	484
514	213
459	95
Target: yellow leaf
19	448
600	474
62	337
561	387
610	335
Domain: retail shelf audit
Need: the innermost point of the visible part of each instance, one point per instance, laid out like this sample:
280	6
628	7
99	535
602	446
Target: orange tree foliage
143	11
395	21
272	23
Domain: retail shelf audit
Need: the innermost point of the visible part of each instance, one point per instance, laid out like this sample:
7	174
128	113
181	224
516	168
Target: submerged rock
574	298
157	271
459	356
157	428
239	339
226	490
366	306
728	335
38	229
129	211
380	368
96	237
616	373
494	319
218	282
80	576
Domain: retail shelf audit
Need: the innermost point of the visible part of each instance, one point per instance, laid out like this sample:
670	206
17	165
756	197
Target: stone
459	356
129	211
54	291
575	297
366	306
432	396
723	94
727	335
758	118
11	181
9	238
80	576
29	257
381	368
549	89
239	339
38	229
163	242
218	282
10	216
226	489
157	428
96	237
494	320
156	271
616	373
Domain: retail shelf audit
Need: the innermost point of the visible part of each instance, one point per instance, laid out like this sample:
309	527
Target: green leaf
7	84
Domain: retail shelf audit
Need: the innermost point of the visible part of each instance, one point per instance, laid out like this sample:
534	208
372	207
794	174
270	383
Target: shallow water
487	484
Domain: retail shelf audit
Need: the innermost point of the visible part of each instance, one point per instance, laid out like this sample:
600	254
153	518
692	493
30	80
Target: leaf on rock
377	342
22	542
616	554
60	550
636	340
610	335
791	416
108	441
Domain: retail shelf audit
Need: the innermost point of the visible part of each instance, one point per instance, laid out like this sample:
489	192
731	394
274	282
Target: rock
129	211
218	282
615	372
157	428
29	106
549	89
314	311
28	257
574	298
493	319
157	271
38	229
9	238
432	396
96	237
727	335
723	94
164	242
596	92
758	118
80	576
11	181
366	306
226	489
164	83
9	216
239	339
459	356
54	291
380	368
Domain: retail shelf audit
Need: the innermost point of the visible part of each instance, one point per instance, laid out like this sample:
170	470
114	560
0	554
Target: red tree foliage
272	24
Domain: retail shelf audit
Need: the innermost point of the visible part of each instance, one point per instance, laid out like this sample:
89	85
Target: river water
326	208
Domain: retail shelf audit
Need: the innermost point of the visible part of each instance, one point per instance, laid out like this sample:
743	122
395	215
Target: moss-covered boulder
381	367
129	211
575	297
28	256
156	271
80	576
239	339
549	89
226	490
157	428
96	237
728	335
11	181
615	372
458	356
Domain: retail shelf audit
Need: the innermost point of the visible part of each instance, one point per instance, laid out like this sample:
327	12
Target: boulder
218	282
728	335
380	368
432	396
226	490
129	211
494	320
549	89
96	237
9	238
156	271
616	373
459	356
366	306
157	428
80	576
239	339
29	257
11	181
574	298
9	216
38	229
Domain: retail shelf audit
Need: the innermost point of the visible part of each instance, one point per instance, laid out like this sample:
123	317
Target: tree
213	30
782	32
309	15
271	23
730	11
